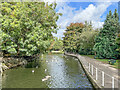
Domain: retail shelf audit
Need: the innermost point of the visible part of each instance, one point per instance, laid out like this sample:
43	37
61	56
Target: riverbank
10	62
100	74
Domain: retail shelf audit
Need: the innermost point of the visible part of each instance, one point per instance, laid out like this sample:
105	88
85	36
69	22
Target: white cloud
67	12
59	33
91	13
97	24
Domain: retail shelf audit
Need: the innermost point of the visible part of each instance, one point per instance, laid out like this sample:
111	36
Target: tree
86	39
79	38
71	35
105	46
27	27
118	43
86	42
57	45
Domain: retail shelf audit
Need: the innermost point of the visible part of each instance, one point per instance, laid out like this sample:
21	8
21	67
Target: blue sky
81	12
84	5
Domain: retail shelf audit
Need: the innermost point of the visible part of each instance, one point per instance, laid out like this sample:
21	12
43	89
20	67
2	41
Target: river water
63	72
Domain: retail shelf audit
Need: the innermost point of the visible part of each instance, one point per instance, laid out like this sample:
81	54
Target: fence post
92	69
89	67
113	82
96	74
102	78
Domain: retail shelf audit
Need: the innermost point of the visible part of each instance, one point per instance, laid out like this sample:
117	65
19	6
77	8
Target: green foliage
71	35
118	43
79	38
57	45
27	27
105	46
86	41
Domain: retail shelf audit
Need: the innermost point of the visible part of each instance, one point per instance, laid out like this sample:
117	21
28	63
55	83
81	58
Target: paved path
109	71
104	67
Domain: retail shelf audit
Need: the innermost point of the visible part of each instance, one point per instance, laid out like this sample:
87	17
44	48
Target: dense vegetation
57	44
118	43
26	28
106	46
71	36
103	42
79	38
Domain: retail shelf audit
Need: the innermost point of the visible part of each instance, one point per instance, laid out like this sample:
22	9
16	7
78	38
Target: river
63	71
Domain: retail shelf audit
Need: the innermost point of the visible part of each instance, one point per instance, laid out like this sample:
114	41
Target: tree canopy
79	38
70	38
57	44
27	27
106	46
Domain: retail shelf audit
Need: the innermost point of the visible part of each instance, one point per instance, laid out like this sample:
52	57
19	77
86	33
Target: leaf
12	50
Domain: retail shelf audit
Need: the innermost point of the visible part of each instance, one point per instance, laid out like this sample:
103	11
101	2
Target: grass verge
116	65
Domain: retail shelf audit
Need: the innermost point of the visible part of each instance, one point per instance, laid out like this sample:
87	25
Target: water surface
65	72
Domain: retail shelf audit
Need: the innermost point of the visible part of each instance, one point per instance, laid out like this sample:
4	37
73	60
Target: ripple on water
65	72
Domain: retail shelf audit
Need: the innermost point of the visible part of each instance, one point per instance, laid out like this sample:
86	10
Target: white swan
45	70
46	78
33	71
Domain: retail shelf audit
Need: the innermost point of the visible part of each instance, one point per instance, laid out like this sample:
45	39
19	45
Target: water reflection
33	64
55	71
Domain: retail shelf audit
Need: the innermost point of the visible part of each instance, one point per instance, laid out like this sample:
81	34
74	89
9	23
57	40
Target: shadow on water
34	64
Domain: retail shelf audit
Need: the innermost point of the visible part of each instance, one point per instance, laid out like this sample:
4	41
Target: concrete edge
94	83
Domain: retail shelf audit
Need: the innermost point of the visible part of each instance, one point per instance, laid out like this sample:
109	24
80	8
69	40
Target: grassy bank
116	65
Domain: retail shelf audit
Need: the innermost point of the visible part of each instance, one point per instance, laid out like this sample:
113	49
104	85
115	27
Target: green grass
116	65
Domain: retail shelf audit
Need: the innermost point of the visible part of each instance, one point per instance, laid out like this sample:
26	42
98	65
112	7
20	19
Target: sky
78	11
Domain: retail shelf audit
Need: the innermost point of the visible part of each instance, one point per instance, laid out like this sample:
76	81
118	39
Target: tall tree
27	27
105	46
118	43
79	38
86	39
71	36
86	42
